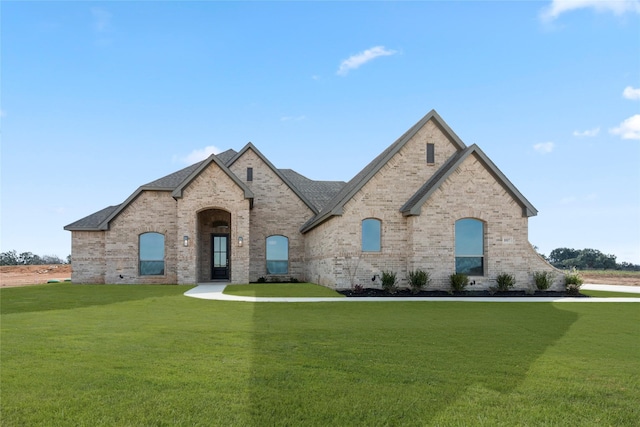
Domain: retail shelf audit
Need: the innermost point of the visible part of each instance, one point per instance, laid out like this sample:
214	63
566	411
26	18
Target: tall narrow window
249	174
371	232
470	247
277	255
151	248
431	153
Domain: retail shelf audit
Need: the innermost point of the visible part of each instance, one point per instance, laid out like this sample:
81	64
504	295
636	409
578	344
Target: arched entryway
214	245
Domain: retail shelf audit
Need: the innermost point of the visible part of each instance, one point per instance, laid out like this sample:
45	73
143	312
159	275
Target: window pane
277	255
469	237
151	254
371	235
151	268
151	247
472	266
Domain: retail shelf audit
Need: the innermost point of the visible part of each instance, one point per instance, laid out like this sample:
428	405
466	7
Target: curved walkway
215	292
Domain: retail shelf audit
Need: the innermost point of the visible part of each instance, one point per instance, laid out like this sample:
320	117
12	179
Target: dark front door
220	253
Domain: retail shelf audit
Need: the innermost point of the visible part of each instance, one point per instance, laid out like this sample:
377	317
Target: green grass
146	355
607	294
281	290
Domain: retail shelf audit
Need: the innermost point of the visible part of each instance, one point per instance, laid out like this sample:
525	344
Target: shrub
573	281
505	281
294	280
543	279
389	281
358	289
262	279
417	280
458	282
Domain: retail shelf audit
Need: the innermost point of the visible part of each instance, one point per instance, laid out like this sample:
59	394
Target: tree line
587	259
28	258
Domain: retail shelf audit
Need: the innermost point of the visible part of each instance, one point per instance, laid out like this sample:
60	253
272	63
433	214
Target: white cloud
544	147
199	155
628	129
355	61
292	118
587	133
101	19
618	7
631	93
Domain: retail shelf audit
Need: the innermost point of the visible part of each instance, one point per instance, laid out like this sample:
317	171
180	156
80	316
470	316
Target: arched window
371	233
470	247
151	254
277	255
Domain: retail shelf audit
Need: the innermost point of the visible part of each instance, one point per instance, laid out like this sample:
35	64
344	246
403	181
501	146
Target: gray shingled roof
414	204
335	205
226	156
93	221
171	181
317	192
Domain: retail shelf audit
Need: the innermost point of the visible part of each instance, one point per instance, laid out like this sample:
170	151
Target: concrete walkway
214	292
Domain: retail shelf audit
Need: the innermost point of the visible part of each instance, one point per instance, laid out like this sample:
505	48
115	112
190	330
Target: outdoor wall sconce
240	241
185	241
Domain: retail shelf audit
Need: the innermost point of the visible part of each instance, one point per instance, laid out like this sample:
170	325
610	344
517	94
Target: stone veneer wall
151	211
212	189
334	256
277	210
87	253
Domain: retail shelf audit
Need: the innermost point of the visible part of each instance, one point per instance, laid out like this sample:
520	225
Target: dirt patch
611	279
24	275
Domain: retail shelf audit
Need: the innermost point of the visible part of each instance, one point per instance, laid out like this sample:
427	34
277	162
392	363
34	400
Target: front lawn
146	355
292	290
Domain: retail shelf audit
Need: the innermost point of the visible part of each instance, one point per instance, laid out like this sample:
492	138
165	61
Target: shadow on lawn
390	363
64	296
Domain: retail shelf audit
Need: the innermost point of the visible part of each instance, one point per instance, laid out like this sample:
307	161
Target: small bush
294	280
458	282
543	279
417	280
262	279
573	281
389	281
505	281
358	289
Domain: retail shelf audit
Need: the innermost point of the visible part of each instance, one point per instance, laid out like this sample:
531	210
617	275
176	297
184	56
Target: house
427	202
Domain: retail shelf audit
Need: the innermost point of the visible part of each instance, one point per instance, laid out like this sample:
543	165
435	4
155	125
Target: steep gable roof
414	204
335	206
175	182
92	222
280	175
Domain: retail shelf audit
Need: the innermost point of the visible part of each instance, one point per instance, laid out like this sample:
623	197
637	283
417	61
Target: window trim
249	174
379	236
266	254
164	254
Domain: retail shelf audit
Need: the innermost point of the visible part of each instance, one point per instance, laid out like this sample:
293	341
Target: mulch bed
371	292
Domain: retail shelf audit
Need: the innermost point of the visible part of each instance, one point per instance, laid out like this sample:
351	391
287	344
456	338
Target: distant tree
9	258
69	259
28	258
582	259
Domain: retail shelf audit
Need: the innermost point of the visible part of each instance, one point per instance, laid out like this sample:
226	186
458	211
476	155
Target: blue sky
98	98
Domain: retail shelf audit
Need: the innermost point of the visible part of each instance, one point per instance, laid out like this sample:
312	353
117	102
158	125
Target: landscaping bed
373	292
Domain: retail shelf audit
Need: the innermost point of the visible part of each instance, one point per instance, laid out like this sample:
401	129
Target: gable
414	204
431	128
250	149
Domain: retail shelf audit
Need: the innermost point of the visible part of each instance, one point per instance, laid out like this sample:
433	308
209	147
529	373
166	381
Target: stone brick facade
417	204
